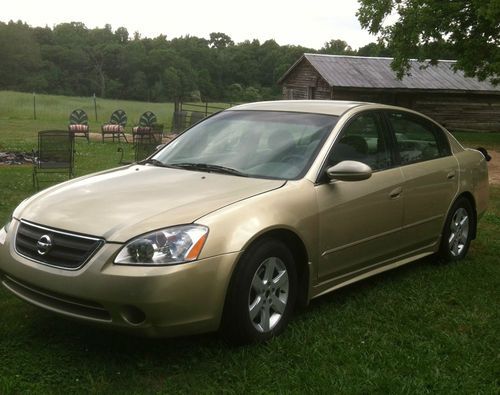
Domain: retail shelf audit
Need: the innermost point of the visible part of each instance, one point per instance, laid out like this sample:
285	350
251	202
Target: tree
138	87
234	92
374	49
470	29
20	59
72	59
220	40
337	47
68	60
121	34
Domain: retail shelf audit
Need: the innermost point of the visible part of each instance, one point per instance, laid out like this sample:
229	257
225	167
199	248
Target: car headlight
165	247
4	231
6	226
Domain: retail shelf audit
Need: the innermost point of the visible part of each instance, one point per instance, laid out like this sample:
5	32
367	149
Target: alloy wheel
268	296
459	232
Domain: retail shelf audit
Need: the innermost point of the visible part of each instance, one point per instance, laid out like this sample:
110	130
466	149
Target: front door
360	221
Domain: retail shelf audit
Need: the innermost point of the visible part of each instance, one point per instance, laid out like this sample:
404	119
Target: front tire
262	293
458	230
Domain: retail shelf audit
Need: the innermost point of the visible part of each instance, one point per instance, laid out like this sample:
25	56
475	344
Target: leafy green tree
374	50
137	88
75	60
337	47
178	83
244	66
251	93
234	92
268	54
469	29
173	84
122	35
67	59
157	92
207	89
104	51
220	40
20	58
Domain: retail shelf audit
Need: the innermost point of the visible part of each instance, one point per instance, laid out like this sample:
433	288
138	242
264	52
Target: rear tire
458	230
262	293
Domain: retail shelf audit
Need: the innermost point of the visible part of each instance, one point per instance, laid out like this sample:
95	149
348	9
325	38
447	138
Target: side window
417	139
362	140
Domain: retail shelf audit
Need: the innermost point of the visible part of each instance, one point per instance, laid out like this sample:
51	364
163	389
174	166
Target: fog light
133	315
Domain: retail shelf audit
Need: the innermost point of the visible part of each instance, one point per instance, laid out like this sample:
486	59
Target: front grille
55	248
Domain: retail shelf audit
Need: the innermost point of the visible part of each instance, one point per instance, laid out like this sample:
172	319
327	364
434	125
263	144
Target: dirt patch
494	167
98	137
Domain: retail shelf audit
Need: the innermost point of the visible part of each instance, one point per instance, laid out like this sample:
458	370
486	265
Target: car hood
123	203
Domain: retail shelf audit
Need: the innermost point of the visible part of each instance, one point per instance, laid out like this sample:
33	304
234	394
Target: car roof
330	107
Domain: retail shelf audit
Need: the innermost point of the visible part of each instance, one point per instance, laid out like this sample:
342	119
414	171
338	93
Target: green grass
18	128
422	328
19	106
491	140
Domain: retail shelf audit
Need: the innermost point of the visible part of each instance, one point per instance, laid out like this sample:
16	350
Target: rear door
430	175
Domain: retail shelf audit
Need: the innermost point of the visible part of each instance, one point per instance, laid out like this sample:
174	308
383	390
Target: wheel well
299	252
470	198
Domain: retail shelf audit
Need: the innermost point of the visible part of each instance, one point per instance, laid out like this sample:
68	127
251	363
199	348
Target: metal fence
188	114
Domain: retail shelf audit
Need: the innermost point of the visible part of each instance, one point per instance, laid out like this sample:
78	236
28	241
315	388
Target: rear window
417	139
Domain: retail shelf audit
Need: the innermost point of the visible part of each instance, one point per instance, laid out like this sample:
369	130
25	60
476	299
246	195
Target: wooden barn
456	101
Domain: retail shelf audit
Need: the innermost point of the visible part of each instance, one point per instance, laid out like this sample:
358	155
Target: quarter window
362	140
417	140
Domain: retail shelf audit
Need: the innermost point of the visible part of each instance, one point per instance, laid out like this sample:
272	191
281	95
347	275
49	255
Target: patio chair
146	127
144	148
115	128
55	155
79	124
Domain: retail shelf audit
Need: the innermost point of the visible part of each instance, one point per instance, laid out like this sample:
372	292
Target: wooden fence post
34	105
95	107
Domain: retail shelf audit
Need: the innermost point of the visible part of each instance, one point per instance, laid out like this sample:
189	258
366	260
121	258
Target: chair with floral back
147	125
79	124
115	128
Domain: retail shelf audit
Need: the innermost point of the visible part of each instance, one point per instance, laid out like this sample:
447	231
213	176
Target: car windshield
266	144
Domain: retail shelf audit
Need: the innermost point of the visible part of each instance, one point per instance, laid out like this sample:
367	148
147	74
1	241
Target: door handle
395	193
451	175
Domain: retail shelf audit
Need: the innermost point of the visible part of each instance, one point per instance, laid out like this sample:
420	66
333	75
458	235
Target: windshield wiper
154	162
209	168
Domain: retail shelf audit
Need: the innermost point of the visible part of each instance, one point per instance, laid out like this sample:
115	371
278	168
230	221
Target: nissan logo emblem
44	245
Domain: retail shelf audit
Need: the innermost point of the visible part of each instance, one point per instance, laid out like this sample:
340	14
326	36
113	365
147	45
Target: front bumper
152	301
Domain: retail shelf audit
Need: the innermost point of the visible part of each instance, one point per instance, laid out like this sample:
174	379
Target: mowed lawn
422	328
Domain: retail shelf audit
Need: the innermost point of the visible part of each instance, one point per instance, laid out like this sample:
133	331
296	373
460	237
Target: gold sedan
246	215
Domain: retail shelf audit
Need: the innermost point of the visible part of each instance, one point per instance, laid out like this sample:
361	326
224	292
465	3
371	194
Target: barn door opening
311	93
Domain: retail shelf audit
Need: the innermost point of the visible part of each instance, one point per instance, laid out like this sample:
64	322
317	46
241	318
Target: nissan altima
245	216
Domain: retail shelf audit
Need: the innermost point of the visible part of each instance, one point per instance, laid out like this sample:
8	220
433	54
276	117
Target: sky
309	23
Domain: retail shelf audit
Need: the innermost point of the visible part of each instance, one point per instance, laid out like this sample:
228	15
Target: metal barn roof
366	72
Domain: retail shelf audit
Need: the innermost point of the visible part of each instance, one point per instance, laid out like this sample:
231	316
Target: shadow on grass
95	341
361	288
357	335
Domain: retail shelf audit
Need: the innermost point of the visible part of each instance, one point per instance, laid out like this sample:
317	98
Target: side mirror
349	170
